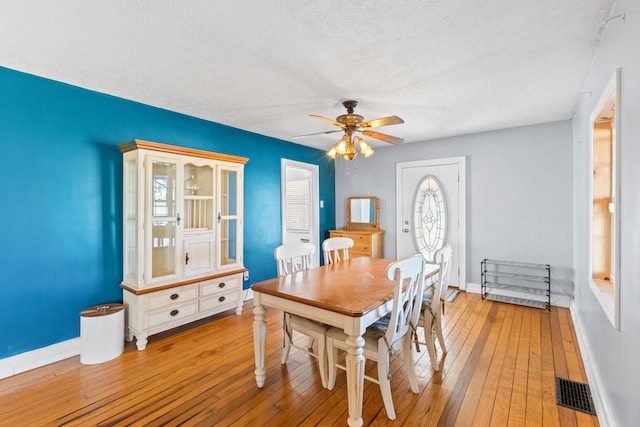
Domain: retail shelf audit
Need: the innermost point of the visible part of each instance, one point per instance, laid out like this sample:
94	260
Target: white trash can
101	333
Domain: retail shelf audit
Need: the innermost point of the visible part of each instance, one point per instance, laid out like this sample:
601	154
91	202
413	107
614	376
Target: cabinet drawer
357	238
171	297
172	314
214	302
220	286
361	246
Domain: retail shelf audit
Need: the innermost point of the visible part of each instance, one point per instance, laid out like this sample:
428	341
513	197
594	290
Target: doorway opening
300	196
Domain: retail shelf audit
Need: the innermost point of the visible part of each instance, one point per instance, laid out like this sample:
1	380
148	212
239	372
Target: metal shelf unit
521	283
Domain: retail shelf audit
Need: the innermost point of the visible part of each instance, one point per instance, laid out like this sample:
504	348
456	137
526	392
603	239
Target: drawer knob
221	299
174	312
174	296
222	285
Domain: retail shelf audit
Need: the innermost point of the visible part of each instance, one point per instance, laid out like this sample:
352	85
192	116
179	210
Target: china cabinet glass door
229	217
163	218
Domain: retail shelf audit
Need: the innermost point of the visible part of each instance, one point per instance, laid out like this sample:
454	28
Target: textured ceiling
447	67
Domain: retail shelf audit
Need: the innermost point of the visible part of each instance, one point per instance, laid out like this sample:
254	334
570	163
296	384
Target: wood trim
139	144
135	291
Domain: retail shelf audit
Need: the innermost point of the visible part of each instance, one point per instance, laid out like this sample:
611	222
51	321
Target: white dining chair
336	249
431	317
390	336
291	258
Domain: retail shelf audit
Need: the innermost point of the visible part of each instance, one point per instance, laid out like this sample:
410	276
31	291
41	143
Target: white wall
519	194
612	354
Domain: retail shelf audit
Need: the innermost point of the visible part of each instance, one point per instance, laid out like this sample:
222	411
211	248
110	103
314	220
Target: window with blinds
298	206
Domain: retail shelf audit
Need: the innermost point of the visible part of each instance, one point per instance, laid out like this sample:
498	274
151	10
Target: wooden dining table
350	295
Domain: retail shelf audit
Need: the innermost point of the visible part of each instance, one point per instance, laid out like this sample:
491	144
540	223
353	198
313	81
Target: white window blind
298	206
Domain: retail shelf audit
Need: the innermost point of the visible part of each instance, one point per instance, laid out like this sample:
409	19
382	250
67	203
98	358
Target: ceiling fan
352	123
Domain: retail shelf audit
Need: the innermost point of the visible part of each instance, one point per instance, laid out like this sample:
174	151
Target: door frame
460	162
315	202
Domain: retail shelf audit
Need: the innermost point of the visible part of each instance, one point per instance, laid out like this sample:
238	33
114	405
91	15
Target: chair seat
371	336
370	343
378	329
301	324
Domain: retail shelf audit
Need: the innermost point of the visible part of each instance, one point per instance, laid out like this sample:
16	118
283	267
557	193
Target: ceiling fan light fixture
343	145
346	148
365	149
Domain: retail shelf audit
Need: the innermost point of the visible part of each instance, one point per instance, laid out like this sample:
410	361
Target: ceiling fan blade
385	121
382	136
333	122
317	133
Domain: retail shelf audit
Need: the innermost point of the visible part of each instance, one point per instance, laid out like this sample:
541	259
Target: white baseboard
248	294
556	299
43	356
603	409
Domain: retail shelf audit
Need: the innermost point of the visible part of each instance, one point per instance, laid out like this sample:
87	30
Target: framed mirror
362	212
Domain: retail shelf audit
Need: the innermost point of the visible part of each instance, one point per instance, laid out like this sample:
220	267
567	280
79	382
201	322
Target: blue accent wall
61	199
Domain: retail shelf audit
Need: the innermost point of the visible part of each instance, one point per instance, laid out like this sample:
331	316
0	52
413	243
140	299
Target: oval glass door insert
429	217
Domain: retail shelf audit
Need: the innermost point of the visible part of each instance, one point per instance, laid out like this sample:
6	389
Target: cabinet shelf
192	197
515	282
517	288
529	277
517	300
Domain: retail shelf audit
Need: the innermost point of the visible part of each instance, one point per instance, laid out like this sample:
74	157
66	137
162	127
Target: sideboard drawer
172	314
219	301
171	297
220	286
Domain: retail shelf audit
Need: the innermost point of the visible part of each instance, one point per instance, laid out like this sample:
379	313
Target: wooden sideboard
366	242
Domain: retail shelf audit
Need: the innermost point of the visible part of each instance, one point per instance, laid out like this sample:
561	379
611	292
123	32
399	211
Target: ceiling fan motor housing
350	119
351	123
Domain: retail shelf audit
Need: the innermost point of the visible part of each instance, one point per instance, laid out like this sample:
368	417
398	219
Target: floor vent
574	395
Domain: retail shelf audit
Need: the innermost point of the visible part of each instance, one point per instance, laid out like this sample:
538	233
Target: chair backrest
442	257
408	275
336	249
293	257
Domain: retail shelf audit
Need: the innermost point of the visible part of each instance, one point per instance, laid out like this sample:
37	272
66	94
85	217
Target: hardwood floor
499	371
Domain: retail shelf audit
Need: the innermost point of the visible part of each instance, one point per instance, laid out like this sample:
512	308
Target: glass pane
229	192
163	248
228	241
163	177
429	217
131	214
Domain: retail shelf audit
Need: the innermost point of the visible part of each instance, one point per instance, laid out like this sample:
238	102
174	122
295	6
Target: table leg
259	342
355	378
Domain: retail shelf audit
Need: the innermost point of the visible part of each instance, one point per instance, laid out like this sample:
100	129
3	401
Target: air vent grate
574	395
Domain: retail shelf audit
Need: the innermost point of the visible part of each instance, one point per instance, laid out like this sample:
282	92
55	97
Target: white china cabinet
182	236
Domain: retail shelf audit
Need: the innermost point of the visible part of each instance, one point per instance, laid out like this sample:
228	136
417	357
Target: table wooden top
353	287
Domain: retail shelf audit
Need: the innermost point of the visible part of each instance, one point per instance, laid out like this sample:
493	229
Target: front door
450	174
